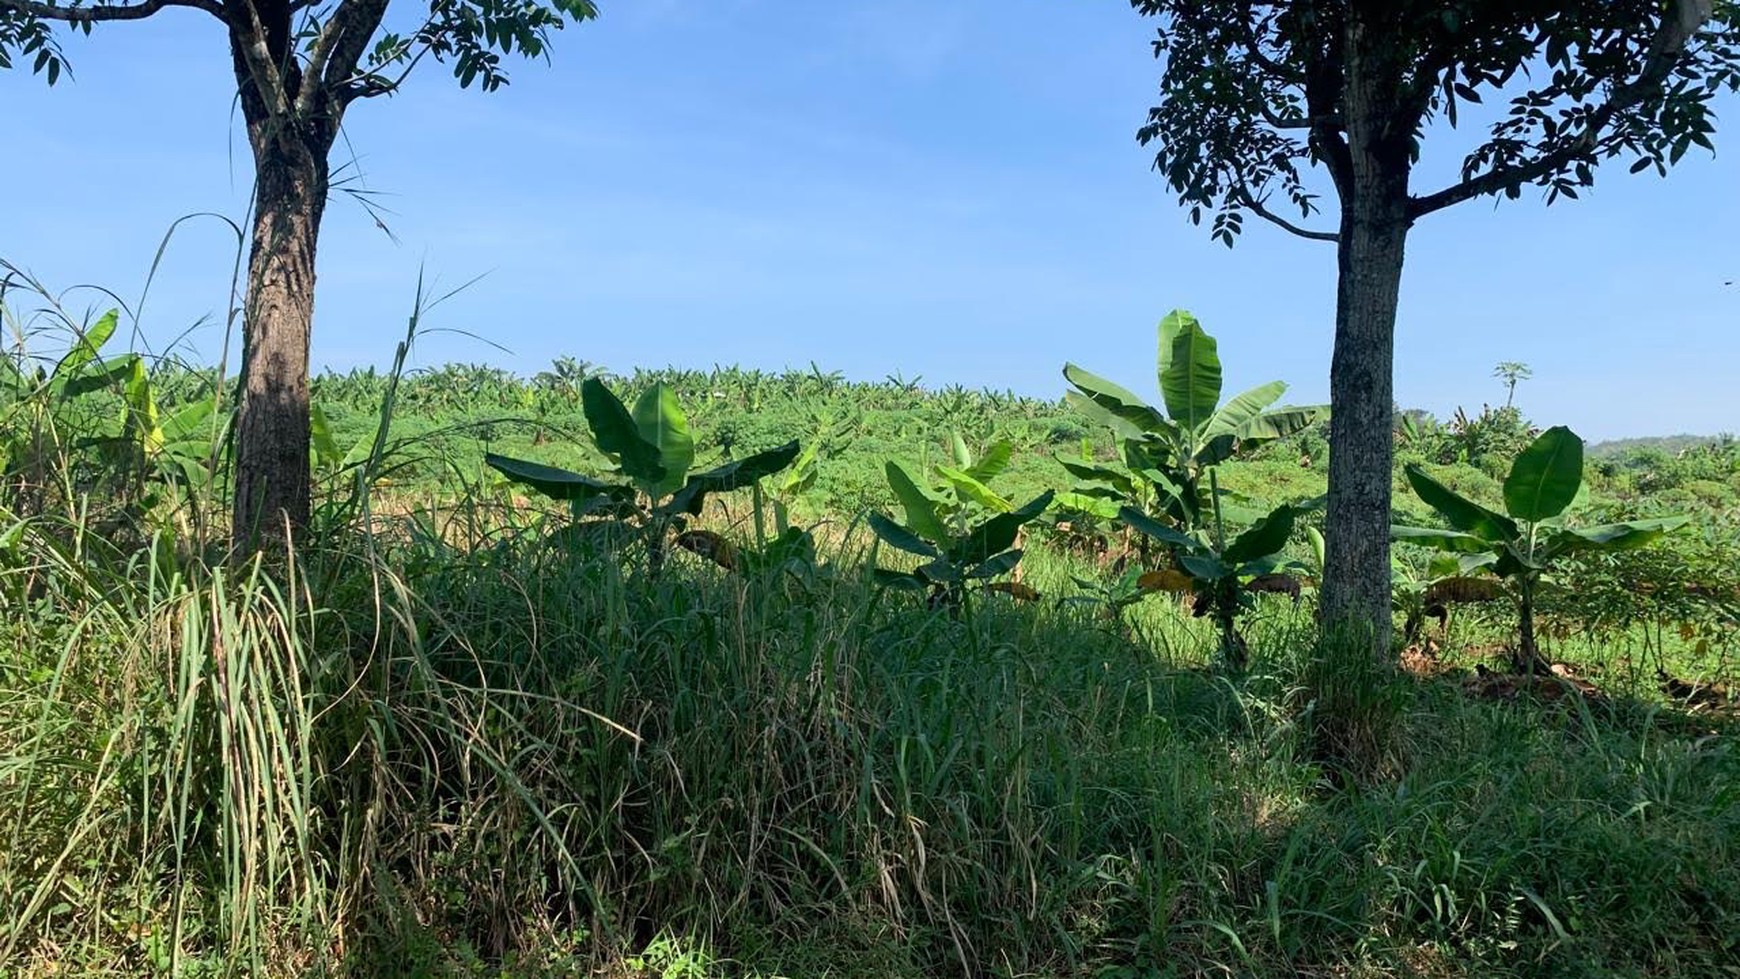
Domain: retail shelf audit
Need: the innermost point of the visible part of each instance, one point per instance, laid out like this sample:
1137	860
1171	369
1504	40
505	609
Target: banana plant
967	482
1520	545
1167	453
1224	580
653	453
151	441
955	559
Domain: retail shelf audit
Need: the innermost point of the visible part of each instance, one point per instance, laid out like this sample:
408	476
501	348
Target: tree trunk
290	142
272	426
1373	232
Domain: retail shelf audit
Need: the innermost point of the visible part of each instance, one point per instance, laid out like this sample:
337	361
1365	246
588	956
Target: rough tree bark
291	183
1370	246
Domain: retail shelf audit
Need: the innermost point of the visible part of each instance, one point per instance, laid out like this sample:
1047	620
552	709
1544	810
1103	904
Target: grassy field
451	736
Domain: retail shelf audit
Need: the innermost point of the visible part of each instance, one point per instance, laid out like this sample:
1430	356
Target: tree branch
101	14
1260	210
1679	23
334	56
1277	70
249	41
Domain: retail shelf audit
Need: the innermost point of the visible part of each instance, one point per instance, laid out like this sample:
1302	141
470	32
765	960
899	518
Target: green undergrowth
451	749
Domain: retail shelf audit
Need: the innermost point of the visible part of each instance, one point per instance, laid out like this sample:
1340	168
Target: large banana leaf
660	421
920	509
1615	536
996	535
1460	512
320	435
142	408
1101	474
85	350
1265	538
1117	401
1281	422
617	435
970	488
1454	541
992	464
185	424
1189	371
98	376
1545	477
1240	411
559	484
1094	506
996	564
1155	529
900	537
732	475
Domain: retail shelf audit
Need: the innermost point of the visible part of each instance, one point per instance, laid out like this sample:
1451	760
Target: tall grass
454	749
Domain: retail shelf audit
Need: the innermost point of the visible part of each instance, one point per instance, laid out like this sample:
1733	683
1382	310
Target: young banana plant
1169	456
954	559
1224	579
653	452
1520	545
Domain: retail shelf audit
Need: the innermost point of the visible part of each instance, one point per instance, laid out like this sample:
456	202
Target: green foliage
953	559
1223	578
652	451
1522	544
1248	101
1167	455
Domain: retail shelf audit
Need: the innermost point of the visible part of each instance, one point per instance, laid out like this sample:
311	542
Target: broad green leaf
993	462
1093	506
1454	541
185	424
1460	512
902	580
1282	422
731	476
963	457
995	565
1615	536
1204	567
1315	537
660	420
320	434
1545	476
1189	371
142	409
98	377
617	435
1242	410
968	487
1101	474
894	535
1153	528
996	535
1268	536
942	570
85	350
558	484
920	508
1118	401
1091	409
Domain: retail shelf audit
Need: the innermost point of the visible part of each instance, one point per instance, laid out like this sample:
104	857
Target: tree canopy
1252	94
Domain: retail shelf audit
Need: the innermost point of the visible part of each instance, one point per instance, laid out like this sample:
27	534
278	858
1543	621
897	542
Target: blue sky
947	190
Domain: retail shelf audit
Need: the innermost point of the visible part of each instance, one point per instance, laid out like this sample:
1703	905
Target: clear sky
951	190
